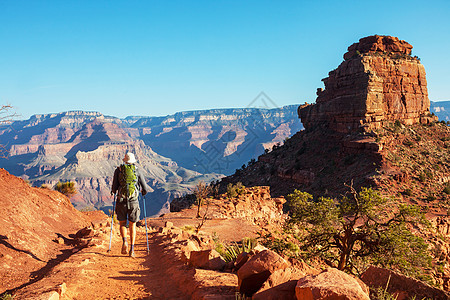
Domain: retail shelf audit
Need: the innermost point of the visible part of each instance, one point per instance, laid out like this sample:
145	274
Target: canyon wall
174	152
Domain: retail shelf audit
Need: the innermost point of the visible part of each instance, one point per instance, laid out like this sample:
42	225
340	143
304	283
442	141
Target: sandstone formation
378	82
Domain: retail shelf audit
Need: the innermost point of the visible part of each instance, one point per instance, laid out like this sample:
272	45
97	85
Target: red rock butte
378	82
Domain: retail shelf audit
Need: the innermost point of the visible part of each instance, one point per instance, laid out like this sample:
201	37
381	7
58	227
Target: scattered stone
168	224
84	232
61	289
163	230
331	284
97	224
46	296
59	240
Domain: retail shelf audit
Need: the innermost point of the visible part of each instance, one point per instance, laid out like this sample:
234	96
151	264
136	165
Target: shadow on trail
42	272
152	273
3	241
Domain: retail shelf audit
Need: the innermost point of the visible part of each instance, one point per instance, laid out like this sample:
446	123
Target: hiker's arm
143	184
115	183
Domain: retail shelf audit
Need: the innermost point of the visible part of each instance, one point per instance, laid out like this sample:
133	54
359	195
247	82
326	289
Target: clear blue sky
159	57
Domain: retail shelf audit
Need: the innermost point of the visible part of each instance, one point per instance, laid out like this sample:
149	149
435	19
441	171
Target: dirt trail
94	273
117	276
88	271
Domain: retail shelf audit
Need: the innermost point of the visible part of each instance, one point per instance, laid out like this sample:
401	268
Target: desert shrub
430	198
422	177
188	228
66	188
280	244
408	143
234	190
381	294
446	189
408	192
363	225
6	296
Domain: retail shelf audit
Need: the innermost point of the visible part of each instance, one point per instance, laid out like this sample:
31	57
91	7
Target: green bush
6	296
408	192
66	188
430	198
408	143
360	226
422	177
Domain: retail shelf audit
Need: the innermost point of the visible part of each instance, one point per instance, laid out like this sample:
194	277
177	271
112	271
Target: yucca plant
232	251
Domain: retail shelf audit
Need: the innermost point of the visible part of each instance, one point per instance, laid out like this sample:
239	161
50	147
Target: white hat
129	158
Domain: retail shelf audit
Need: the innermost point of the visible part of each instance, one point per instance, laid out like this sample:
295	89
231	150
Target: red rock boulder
253	274
331	284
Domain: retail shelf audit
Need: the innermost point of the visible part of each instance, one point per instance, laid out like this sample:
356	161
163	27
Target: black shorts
128	209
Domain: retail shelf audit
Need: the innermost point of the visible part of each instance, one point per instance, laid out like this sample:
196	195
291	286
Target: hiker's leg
132	236
132	232
123	233
123	229
133	216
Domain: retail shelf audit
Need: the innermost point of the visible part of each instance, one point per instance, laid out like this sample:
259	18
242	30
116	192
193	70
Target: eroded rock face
378	82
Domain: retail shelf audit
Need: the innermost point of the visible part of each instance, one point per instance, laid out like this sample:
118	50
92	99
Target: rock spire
378	82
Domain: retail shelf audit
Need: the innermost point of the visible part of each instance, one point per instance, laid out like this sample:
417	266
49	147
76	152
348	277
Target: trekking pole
112	222
145	221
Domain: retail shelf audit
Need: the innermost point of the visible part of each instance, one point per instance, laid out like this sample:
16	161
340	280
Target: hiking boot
132	254
124	248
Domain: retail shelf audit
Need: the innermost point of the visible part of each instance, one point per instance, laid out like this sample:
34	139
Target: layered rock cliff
85	147
378	82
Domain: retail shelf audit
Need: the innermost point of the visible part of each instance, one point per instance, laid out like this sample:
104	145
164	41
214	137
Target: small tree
6	117
201	191
360	226
66	188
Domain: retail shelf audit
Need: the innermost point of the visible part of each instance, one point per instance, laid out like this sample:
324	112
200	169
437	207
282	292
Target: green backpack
127	180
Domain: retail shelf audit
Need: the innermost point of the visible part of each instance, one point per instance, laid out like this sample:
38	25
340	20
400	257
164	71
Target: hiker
126	182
